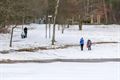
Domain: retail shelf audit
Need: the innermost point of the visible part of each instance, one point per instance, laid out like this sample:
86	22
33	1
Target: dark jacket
25	29
89	43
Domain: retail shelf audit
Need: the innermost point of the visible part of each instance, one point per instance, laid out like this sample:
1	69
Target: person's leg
81	47
90	47
25	35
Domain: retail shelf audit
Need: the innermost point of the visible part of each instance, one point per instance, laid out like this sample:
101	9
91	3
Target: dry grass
8	61
4	30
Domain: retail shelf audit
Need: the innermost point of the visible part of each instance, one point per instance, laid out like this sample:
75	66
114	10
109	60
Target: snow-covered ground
99	51
71	36
60	71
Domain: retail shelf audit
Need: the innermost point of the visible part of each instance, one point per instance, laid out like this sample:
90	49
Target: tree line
20	11
23	11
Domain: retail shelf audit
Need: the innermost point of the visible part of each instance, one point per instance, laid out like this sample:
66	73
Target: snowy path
34	49
98	52
60	71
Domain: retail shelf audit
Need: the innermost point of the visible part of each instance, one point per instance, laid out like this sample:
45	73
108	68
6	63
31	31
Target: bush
4	30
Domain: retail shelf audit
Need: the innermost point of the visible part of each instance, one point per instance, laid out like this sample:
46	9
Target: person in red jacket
89	43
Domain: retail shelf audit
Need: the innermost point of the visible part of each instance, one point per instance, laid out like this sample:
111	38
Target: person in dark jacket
25	32
89	43
82	43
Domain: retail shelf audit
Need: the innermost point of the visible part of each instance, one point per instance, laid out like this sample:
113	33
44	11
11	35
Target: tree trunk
80	23
12	36
98	19
49	30
113	15
63	27
46	22
92	21
105	12
56	12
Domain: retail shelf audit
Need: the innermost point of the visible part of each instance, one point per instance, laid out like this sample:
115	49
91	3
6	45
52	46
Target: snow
60	71
36	35
71	36
69	53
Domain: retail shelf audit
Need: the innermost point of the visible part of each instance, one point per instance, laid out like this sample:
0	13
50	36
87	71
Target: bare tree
56	12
